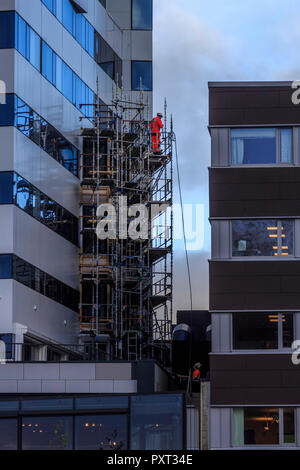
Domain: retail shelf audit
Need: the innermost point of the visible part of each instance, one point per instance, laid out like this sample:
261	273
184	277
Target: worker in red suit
156	126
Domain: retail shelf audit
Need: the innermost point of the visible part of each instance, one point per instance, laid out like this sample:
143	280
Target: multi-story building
55	56
254	266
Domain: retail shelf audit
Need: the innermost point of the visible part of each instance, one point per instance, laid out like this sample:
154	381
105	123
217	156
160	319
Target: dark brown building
255	264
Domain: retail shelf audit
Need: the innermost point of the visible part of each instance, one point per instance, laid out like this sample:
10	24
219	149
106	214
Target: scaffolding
126	279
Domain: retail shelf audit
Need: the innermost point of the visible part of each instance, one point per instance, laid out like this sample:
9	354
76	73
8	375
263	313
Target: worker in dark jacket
156	126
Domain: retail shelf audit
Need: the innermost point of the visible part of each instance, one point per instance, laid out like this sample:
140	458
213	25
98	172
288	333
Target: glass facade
141	12
262	426
141	75
262	330
86	35
13	267
261	146
156	422
17	113
258	237
17	190
58	423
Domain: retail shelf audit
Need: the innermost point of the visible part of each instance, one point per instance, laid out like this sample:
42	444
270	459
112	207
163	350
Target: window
141	75
69	16
48	63
47	433
48	404
5	266
106	432
6	179
7	21
51	5
261	426
35	49
156	422
142	14
258	237
46	136
8	434
261	146
262	330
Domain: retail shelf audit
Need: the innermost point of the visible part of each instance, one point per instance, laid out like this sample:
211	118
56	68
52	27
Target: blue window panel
7	111
59	73
91	39
8	405
141	75
5	266
48	58
253	146
6	182
8	434
95	403
8	340
67	82
21	34
34	49
69	16
142	14
7	29
286	145
79	90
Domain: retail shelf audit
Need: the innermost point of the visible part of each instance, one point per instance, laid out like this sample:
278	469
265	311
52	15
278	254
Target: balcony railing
34	352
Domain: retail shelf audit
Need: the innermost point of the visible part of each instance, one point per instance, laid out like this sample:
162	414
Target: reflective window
8	434
7	20
8	405
51	5
42	282
5	266
262	330
48	63
142	14
46	136
258	145
261	426
108	402
141	75
106	432
68	16
8	339
156	422
35	49
6	193
45	210
258	237
47	433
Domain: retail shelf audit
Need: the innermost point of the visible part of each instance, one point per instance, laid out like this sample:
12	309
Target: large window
262	426
257	237
261	146
6	187
8	434
47	433
142	14
141	75
156	422
7	23
13	267
101	432
262	330
45	136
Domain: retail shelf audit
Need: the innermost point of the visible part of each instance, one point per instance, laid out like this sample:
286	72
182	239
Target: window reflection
47	433
262	237
156	422
101	432
141	75
46	136
142	14
261	330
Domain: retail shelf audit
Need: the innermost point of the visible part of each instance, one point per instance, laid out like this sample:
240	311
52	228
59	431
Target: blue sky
196	42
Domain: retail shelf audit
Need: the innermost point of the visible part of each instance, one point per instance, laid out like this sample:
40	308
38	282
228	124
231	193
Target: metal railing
41	352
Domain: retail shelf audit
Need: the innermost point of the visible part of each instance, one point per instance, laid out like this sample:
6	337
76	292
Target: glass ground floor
92	422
